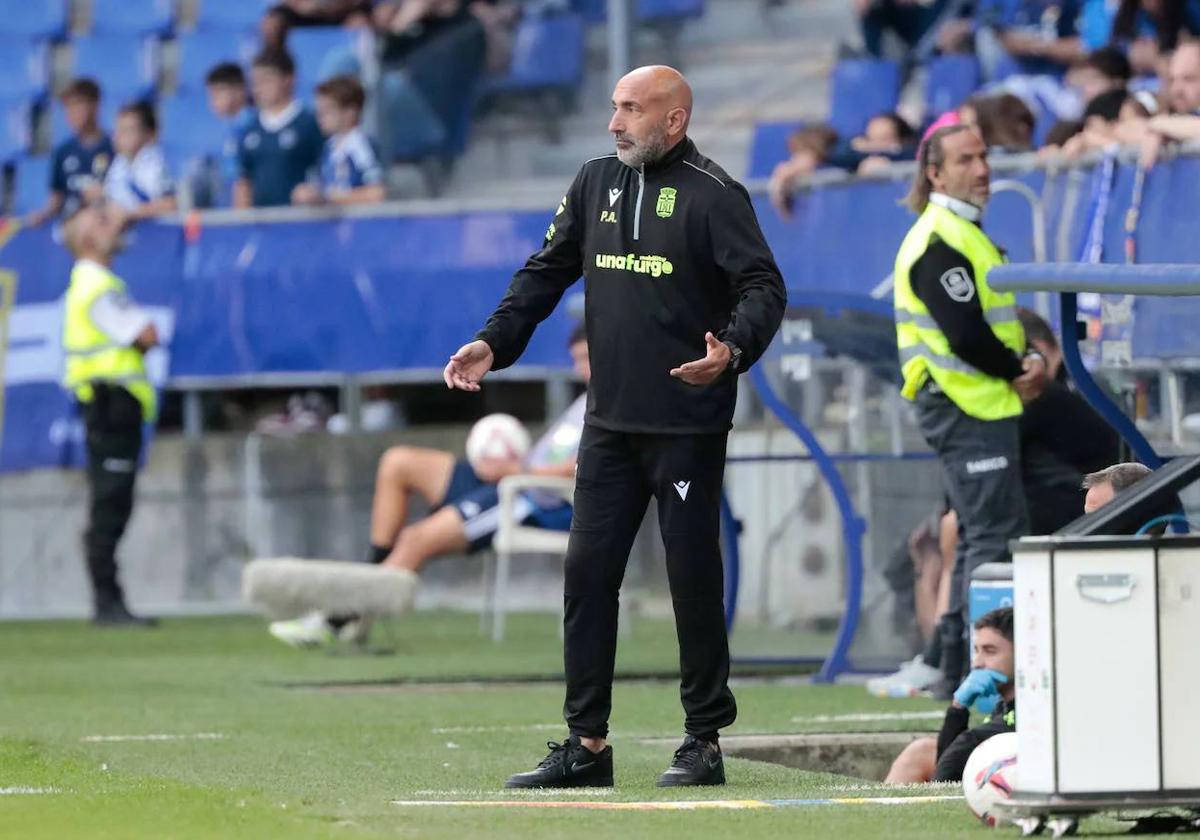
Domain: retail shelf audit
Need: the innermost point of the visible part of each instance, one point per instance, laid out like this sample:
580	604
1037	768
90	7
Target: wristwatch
735	356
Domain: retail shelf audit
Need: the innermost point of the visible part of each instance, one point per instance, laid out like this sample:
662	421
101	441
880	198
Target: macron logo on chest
613	195
682	487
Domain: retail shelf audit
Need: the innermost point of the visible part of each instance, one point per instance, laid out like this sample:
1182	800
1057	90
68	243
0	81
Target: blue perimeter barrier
400	293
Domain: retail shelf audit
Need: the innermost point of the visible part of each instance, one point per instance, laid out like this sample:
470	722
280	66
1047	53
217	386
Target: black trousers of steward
617	474
114	444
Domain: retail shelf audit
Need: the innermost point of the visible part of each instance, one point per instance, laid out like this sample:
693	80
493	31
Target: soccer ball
497	437
991	777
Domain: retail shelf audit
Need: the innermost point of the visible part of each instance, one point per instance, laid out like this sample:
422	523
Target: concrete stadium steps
747	63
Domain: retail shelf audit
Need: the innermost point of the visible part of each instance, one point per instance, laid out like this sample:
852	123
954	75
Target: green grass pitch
281	758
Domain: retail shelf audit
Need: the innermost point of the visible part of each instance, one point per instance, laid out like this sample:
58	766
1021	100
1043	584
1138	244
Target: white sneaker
307	631
913	678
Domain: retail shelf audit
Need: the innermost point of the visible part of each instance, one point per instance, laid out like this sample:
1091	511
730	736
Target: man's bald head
652	107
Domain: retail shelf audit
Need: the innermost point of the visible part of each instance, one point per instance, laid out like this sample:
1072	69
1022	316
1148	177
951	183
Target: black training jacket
667	253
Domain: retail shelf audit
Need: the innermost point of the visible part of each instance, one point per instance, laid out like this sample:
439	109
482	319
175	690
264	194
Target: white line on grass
685	805
867	717
530	792
192	736
26	791
480	730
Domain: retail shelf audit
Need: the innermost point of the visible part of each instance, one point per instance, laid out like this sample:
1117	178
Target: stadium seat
123	64
32	184
140	17
36	18
187	126
648	11
311	48
26	66
547	54
861	88
201	50
239	15
951	80
769	147
15	134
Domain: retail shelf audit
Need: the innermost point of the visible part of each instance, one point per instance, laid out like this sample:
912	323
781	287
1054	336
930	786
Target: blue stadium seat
547	54
769	147
32	184
15	124
231	14
861	88
187	126
951	80
311	47
199	51
141	17
26	66
36	18
648	11
123	64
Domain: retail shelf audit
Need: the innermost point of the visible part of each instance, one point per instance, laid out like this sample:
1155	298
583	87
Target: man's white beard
649	152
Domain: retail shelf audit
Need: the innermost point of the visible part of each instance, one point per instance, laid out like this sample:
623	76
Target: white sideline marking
26	791
678	805
479	730
868	717
194	736
531	792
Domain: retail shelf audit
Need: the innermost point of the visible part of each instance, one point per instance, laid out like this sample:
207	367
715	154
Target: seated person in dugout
464	504
990	688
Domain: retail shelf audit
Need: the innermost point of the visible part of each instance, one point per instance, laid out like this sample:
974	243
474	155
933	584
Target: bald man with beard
683	295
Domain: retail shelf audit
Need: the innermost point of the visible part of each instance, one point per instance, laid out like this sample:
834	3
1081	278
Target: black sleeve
537	287
953	761
953	725
755	283
944	281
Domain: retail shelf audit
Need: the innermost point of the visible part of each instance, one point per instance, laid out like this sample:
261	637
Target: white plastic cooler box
1108	676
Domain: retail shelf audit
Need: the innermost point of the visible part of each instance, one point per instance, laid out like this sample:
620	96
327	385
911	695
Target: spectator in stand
229	100
137	182
1004	121
434	53
1028	37
81	160
282	144
809	147
1150	29
1105	122
1182	123
350	171
887	138
279	19
914	26
1098	72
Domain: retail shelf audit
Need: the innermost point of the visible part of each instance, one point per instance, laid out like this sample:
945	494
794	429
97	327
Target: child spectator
350	171
1004	121
809	147
1098	72
138	181
886	138
80	161
229	100
282	143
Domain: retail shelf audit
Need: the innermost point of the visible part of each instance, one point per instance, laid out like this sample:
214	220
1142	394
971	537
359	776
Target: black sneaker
116	614
569	764
696	762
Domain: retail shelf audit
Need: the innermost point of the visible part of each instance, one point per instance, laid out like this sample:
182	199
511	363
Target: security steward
674	265
105	338
964	362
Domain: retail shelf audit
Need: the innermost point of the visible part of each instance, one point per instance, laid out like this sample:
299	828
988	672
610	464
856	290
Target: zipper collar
675	154
963	209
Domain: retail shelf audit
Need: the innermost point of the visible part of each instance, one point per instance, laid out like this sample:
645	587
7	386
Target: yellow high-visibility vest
91	356
924	350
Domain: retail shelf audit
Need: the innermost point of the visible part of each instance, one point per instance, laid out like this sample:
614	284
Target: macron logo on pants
682	487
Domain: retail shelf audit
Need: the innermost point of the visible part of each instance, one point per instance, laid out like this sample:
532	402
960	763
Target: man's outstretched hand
706	370
468	366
